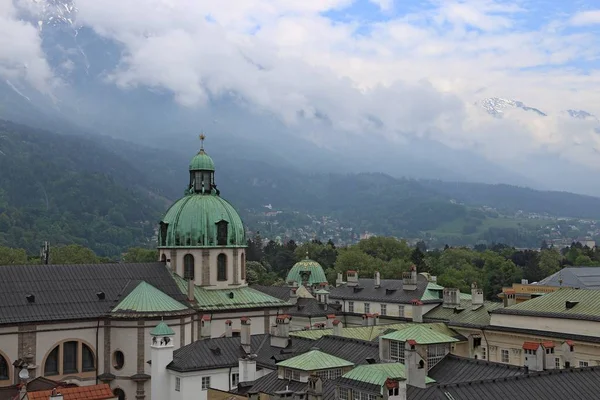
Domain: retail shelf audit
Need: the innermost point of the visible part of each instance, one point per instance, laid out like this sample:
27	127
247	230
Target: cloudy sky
380	68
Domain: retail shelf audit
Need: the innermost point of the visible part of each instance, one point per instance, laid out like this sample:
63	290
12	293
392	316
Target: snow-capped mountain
496	106
581	114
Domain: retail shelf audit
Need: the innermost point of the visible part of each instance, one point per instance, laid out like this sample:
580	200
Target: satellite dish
24	374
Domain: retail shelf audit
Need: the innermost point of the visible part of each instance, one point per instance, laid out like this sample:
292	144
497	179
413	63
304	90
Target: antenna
45	253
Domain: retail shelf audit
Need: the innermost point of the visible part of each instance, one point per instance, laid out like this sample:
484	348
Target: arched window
163	258
243	266
188	266
119	393
4	371
222	233
221	267
51	365
70	357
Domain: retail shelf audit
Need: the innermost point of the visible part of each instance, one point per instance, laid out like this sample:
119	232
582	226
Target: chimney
509	298
339	280
293	296
228	328
190	290
534	356
329	322
416	364
280	333
337	327
476	295
375	318
55	395
409	279
524	281
377	279
247	369
451	298
246	339
568	353
352	278
417	310
205	330
365	319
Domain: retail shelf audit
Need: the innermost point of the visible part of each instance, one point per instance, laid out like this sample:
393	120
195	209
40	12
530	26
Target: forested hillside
108	194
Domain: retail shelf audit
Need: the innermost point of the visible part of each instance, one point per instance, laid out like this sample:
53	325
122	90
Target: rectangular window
557	363
350	306
505	356
435	354
367	308
292	374
401	311
384	309
483	353
70	357
205	382
583	364
342	393
397	351
235	379
330	373
177	384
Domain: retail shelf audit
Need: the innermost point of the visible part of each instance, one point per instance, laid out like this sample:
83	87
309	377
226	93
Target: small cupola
202	172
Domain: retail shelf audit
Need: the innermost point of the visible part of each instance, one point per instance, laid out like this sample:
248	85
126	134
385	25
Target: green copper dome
201	220
202	161
317	275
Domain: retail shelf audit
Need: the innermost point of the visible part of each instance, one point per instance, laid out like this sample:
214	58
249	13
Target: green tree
73	254
140	255
12	256
549	262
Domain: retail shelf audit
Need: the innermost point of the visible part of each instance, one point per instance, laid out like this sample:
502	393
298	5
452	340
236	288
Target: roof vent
357	289
389	291
231	295
101	295
31	298
570	304
371	360
216	350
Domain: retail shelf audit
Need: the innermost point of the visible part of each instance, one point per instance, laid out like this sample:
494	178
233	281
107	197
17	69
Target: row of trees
492	267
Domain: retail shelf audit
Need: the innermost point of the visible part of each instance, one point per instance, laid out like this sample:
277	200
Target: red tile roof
530	346
548	344
94	392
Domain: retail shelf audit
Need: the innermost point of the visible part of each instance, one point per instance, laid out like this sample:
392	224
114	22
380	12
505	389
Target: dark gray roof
359	385
225	352
575	277
304	307
574	383
271	384
454	369
548	334
390	291
279	292
67	292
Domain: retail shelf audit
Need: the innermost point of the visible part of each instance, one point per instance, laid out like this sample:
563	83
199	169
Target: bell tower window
221	267
222	233
188	266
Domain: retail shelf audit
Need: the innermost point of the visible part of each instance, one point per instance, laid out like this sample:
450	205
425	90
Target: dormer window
292	374
222	233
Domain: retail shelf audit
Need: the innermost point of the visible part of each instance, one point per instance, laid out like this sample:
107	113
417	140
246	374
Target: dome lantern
202	172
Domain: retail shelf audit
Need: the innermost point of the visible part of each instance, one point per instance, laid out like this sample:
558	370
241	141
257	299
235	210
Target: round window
118	359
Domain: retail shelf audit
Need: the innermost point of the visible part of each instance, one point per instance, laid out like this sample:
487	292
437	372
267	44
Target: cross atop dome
202	137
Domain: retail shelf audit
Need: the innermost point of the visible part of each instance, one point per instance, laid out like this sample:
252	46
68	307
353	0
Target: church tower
161	354
202	236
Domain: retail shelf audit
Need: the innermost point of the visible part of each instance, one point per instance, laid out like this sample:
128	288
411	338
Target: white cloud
21	56
586	18
415	73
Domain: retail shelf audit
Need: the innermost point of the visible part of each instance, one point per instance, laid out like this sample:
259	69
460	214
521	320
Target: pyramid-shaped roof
147	298
162	329
315	360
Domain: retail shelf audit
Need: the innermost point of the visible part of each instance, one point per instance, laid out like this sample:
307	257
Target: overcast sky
378	68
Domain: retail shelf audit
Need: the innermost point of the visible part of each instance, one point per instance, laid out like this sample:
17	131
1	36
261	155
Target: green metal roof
370	333
377	374
192	222
321	291
421	333
221	299
202	161
476	316
162	329
314	360
554	304
317	275
147	298
432	292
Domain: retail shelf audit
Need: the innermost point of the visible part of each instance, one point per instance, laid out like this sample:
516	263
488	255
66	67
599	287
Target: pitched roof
455	369
145	298
574	383
233	298
370	333
162	329
314	360
465	315
584	305
94	392
65	292
311	308
420	333
575	277
377	374
279	292
389	291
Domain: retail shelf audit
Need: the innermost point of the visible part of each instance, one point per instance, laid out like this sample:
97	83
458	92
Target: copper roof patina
314	360
313	269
